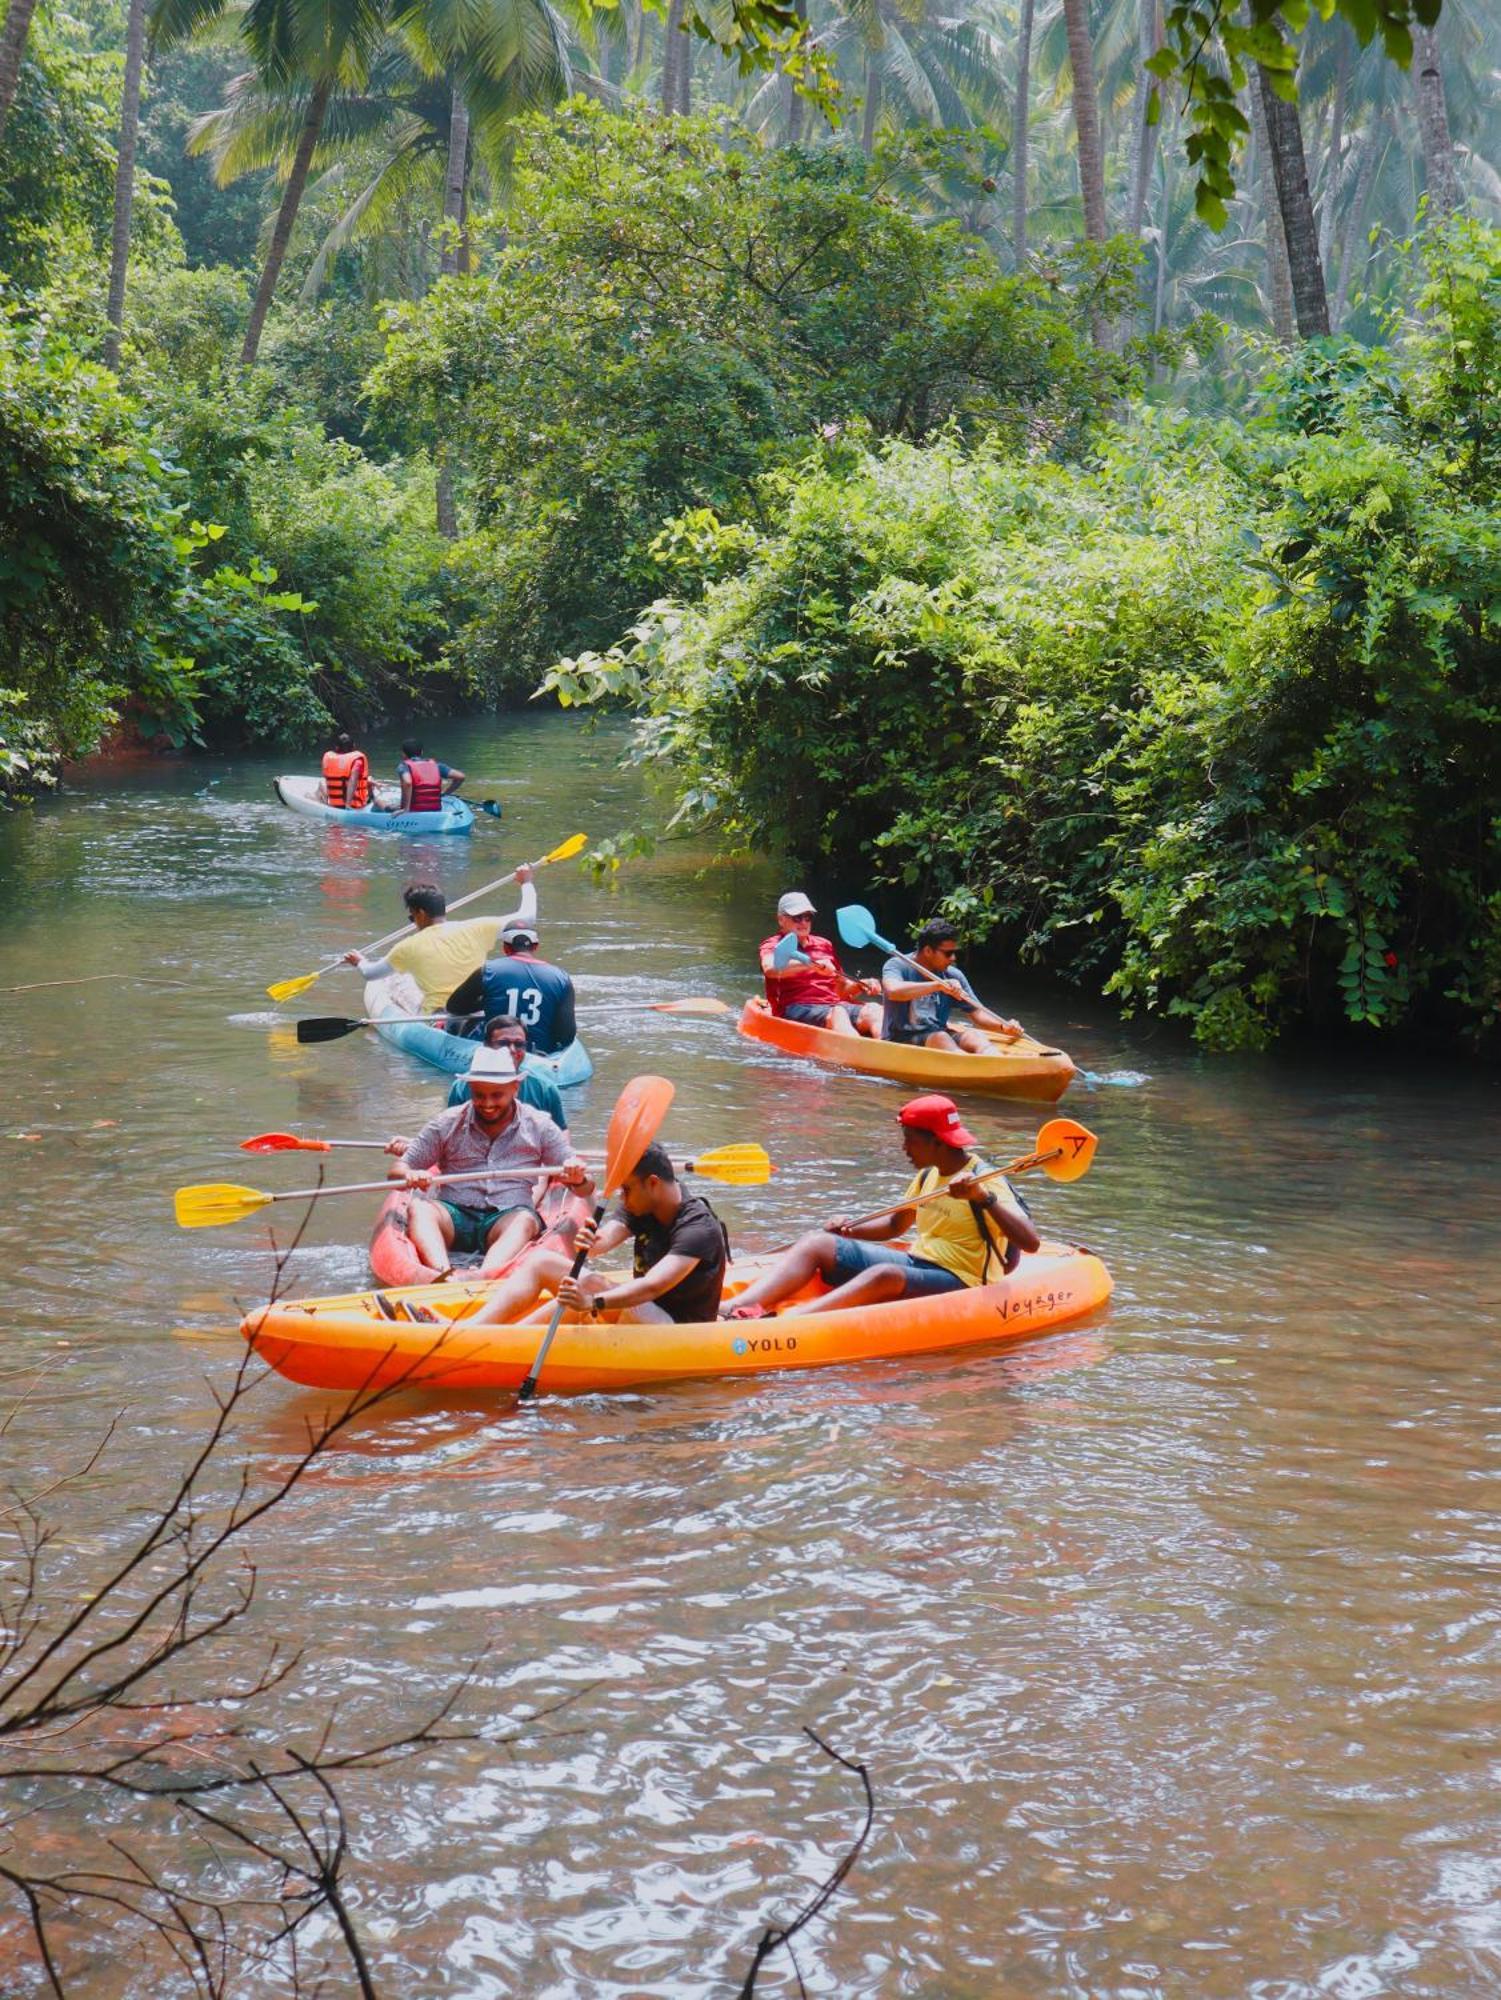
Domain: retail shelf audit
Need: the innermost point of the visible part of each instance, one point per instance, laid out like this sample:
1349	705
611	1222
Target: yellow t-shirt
443	956
952	1233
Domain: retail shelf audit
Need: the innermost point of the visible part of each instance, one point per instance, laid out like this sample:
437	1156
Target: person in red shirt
804	980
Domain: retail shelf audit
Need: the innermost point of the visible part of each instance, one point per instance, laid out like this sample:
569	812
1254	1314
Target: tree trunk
1086	119
1279	280
1020	132
639	57
286	215
455	182
12	49
1159	288
455	257
1143	135
672	42
1290	171
685	76
1433	124
872	105
794	101
1333	164
1370	159
125	177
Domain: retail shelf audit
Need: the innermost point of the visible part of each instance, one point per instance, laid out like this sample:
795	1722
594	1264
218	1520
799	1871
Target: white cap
795	904
492	1066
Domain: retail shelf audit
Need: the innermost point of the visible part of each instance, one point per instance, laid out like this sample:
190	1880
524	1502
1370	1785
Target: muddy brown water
1171	1642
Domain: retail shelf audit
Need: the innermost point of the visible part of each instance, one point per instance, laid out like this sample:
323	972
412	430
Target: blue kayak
452	1054
302	795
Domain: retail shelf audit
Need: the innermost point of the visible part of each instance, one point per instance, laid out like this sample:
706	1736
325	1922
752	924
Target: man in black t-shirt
682	1249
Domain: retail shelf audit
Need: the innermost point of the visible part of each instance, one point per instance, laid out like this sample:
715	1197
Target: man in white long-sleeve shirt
442	955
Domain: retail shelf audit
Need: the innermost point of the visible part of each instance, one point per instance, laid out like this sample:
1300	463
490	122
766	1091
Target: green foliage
57	183
104	604
1213	720
1211	47
674	308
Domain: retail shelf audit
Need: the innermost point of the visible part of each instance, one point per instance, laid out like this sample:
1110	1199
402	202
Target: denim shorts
816	1016
924	1280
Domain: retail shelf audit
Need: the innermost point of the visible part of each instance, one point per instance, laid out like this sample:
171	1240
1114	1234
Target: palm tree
323	46
1284	136
1433	124
1020	134
1086	119
125	177
12	49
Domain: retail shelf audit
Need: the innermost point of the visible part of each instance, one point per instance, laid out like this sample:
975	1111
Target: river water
1170	1642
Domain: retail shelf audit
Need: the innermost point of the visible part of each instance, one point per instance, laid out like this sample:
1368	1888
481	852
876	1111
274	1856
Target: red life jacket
346	778
427	785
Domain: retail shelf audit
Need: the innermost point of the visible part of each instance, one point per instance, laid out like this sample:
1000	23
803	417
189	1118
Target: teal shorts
472	1226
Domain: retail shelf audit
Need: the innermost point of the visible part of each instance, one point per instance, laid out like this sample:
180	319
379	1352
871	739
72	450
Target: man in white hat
804	979
510	1143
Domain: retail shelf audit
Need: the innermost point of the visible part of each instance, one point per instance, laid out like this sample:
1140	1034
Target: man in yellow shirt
442	955
972	1236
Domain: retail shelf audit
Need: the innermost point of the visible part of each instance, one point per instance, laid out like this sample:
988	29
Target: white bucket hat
795	904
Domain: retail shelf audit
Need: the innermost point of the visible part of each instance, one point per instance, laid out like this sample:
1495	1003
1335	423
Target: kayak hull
393	1255
392	1007
1023	1069
343	1343
300	795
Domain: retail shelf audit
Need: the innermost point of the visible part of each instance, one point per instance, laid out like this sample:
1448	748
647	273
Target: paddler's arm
981	1017
662	1276
452	782
896	1223
469	997
1015	1226
369	968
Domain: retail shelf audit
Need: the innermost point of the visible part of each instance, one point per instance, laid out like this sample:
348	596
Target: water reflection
1170	1641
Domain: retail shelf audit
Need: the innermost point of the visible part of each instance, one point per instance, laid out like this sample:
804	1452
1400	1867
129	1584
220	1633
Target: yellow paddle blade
574	844
1074	1142
213	1203
738	1166
288	989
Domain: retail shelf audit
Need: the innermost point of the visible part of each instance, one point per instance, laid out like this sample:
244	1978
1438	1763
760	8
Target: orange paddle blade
704	1006
634	1123
283	1142
1073	1142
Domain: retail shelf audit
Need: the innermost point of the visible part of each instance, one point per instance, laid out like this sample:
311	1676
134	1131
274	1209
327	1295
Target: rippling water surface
1170	1642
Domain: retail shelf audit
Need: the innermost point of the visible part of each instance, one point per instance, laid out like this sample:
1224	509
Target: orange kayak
393	1254
345	1343
1022	1068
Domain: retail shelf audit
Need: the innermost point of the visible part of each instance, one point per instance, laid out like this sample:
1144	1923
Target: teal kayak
400	1028
301	795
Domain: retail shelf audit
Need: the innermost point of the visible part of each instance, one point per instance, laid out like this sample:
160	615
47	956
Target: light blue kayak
453	1053
301	795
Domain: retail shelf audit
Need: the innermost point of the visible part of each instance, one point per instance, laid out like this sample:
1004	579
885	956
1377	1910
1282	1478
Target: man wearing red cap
971	1236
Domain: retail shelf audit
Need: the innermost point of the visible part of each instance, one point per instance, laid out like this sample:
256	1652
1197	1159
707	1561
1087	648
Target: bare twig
777	1935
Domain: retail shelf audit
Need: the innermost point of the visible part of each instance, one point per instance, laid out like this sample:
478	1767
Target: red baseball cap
938	1115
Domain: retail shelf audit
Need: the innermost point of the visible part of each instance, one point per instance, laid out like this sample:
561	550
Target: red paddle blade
639	1111
283	1142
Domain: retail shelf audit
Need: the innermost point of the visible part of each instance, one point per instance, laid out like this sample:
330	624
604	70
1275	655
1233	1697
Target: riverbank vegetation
1058	471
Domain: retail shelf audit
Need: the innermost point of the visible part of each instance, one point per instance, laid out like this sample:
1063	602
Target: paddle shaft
923	972
1022	1166
390	1184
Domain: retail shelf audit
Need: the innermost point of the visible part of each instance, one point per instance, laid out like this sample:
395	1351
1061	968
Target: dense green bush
1213	719
665	309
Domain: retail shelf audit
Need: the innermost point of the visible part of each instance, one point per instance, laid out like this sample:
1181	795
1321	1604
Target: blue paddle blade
490	806
857	927
787	953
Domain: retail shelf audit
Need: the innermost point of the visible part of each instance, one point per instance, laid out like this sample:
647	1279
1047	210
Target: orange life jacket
427	785
346	778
